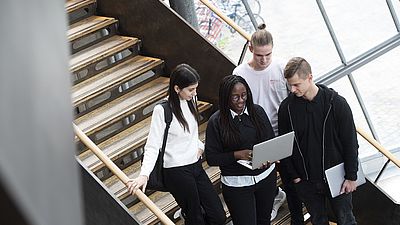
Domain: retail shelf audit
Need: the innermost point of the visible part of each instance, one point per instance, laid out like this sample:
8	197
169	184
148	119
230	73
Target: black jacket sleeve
214	150
348	138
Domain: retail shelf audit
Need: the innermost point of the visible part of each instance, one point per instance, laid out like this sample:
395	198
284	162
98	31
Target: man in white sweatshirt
268	85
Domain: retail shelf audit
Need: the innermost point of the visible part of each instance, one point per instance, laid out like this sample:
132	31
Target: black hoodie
338	137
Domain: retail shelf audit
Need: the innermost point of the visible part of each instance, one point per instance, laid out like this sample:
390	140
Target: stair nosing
122	43
78	98
107	21
78	5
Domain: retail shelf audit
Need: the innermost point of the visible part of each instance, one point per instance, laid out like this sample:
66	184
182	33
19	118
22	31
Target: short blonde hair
297	65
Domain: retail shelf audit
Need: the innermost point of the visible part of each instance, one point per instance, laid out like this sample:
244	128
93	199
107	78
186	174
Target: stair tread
131	138
112	77
100	51
72	5
165	201
88	25
123	106
132	171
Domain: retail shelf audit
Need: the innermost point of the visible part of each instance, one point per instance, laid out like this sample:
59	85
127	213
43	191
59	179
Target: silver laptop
271	150
335	178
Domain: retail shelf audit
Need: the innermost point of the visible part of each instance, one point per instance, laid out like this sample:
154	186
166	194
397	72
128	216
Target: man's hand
348	186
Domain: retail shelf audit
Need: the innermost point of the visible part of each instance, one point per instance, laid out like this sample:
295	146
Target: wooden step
100	51
134	68
88	26
128	143
133	102
165	201
72	5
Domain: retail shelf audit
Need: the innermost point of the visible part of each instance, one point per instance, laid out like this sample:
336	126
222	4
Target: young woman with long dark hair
184	175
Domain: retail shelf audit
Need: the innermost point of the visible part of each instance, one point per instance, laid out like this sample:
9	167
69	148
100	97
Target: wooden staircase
113	94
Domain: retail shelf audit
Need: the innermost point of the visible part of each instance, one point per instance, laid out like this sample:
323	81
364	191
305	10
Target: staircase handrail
121	175
227	20
378	146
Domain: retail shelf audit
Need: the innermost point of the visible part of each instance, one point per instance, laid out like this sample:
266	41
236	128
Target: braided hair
230	133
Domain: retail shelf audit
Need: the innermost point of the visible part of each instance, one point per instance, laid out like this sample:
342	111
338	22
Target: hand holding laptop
244	154
267	152
348	186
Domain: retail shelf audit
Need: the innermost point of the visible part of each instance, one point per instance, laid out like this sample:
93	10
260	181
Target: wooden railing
379	147
121	175
225	18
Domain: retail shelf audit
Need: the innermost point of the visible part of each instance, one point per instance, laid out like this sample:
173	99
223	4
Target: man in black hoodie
325	136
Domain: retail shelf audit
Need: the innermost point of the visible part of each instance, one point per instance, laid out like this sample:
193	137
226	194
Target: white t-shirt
181	147
268	86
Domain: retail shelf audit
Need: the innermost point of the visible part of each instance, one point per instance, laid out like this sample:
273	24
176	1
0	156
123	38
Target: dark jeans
251	205
316	197
294	203
194	193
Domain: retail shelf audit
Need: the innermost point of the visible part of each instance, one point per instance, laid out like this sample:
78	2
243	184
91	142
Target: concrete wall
38	170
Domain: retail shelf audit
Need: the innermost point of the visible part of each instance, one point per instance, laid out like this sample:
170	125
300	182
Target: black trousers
294	203
251	205
194	193
316	197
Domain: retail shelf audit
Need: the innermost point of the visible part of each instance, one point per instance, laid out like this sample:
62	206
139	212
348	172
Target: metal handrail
379	147
121	175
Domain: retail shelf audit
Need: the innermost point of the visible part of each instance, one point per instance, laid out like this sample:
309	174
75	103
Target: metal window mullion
250	13
331	31
362	105
243	54
393	13
360	60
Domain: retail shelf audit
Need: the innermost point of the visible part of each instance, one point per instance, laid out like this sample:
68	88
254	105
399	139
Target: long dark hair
183	76
230	133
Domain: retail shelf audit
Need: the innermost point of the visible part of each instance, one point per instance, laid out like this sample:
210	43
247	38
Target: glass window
378	83
359	24
298	30
372	159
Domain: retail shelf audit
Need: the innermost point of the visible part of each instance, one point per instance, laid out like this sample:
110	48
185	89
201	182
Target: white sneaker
178	214
278	201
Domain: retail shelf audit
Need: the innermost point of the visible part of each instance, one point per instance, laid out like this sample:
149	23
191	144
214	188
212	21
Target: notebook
271	150
335	178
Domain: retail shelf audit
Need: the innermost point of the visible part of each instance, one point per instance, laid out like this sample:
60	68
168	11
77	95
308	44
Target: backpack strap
167	112
168	120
